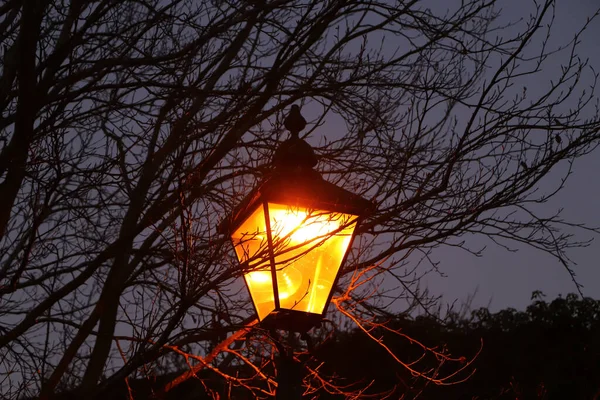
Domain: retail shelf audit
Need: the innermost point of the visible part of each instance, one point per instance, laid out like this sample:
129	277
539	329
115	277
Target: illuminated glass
250	242
308	247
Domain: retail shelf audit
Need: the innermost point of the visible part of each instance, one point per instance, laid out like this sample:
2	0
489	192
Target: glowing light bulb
300	226
260	279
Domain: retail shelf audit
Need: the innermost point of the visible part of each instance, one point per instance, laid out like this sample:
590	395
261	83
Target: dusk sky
504	279
501	278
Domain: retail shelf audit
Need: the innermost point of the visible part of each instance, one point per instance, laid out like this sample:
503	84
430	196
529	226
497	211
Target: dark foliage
549	351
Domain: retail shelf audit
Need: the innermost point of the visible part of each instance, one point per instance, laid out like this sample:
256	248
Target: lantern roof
303	188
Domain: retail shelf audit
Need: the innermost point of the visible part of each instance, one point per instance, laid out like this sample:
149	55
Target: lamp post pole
289	376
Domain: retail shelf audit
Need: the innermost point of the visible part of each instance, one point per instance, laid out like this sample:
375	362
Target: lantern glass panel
251	247
309	247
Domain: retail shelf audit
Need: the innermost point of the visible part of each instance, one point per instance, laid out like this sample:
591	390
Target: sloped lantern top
303	188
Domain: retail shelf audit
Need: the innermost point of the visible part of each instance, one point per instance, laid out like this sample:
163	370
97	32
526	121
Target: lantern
291	236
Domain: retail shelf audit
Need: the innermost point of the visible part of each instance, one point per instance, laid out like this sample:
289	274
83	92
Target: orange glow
308	247
250	242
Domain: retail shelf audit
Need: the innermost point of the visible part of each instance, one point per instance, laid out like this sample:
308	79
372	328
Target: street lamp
292	234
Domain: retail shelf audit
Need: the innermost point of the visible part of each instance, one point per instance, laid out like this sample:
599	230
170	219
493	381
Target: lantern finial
294	154
294	122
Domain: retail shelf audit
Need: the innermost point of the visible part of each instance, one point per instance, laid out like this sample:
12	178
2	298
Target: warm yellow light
301	225
308	248
250	242
261	283
260	277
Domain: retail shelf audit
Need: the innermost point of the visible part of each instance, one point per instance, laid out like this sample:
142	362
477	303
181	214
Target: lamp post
291	235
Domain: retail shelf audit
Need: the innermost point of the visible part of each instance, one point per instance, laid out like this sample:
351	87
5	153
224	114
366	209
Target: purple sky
505	279
500	278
